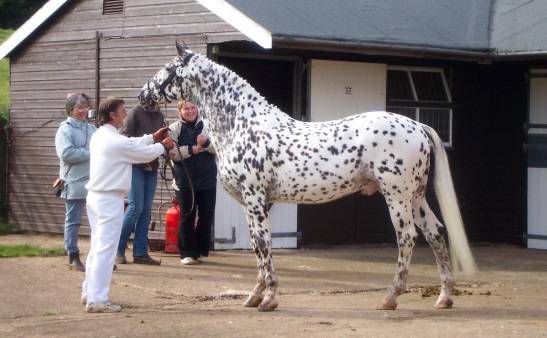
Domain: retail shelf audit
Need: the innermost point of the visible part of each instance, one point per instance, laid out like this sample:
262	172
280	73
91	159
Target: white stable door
232	230
537	161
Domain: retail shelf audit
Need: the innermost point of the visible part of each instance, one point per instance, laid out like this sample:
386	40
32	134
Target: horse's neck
228	102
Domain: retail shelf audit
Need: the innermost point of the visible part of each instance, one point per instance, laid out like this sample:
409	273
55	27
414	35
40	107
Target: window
422	95
112	7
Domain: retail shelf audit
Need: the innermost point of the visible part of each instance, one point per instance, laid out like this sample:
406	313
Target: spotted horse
265	156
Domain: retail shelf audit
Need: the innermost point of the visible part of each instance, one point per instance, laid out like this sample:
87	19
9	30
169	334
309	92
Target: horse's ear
182	48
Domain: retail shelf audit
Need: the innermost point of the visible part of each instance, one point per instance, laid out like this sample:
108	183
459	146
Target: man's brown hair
110	104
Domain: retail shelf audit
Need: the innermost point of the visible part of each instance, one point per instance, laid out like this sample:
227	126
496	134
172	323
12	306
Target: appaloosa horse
264	156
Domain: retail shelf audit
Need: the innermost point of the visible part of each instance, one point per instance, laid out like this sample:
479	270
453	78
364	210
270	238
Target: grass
25	250
4	78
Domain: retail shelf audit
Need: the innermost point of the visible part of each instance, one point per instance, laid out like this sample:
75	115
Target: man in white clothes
111	157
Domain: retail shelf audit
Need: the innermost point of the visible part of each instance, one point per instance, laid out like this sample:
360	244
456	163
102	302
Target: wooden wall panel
61	58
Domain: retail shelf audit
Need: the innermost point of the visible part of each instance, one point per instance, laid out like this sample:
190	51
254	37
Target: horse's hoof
268	304
444	303
253	301
389	303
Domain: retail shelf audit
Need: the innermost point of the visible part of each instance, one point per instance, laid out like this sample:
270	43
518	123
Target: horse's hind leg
430	226
400	210
260	231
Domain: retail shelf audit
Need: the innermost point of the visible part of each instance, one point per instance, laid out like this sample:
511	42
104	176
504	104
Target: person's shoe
145	260
115	267
102	307
120	259
75	263
199	259
188	261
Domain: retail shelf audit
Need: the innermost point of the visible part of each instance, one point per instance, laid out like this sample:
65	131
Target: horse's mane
234	80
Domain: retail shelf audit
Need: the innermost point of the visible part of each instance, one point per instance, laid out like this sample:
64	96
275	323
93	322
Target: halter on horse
264	156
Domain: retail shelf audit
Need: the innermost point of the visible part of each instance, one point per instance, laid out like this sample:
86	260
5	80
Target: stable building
475	70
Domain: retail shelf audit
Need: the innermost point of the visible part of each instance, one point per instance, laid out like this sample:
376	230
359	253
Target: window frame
418	104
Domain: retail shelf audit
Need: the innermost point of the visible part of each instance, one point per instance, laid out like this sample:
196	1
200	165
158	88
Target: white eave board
239	21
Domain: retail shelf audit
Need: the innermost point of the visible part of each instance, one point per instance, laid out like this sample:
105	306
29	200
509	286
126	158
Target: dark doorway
273	79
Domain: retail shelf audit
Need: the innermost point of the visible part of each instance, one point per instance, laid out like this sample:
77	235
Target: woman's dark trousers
195	239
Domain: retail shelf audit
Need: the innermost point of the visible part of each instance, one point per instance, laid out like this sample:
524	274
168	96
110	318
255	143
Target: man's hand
161	134
168	143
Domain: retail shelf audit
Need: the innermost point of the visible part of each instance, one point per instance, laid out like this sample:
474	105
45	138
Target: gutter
506	56
380	48
372	48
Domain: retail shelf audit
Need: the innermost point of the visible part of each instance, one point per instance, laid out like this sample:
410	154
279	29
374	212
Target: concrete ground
330	292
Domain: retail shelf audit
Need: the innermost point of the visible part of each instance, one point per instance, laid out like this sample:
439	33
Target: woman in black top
200	180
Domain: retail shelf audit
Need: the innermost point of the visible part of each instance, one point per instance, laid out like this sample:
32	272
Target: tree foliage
4	78
13	13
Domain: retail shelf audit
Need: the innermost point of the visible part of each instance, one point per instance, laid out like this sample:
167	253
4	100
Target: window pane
429	86
405	111
398	86
438	119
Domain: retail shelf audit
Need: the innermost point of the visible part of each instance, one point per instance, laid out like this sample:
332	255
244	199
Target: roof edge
35	21
239	21
380	48
519	55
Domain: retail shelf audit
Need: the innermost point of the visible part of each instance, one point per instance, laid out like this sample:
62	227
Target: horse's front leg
261	238
257	295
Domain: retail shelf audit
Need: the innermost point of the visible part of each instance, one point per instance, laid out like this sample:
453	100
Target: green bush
6	228
4	78
13	13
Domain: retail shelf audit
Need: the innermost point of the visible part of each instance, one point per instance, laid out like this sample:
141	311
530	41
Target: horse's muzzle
144	96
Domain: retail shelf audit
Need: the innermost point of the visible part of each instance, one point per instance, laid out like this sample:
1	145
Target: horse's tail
444	188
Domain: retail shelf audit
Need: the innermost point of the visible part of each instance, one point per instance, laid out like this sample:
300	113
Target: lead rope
162	171
162	203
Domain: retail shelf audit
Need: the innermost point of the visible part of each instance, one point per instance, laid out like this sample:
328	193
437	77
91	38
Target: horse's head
169	82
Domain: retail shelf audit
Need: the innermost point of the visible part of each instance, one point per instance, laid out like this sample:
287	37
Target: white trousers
105	213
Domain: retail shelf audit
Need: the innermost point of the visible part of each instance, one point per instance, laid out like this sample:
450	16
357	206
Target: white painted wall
340	89
537	177
538	100
230	220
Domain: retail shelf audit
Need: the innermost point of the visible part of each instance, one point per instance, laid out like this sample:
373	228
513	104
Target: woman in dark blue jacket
195	186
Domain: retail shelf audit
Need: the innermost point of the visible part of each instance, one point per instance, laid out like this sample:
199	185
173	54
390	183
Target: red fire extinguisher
172	217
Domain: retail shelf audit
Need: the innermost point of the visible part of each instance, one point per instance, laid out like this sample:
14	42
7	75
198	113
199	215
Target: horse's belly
230	185
313	197
317	186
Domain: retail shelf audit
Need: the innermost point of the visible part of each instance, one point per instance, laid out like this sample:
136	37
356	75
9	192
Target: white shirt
111	156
